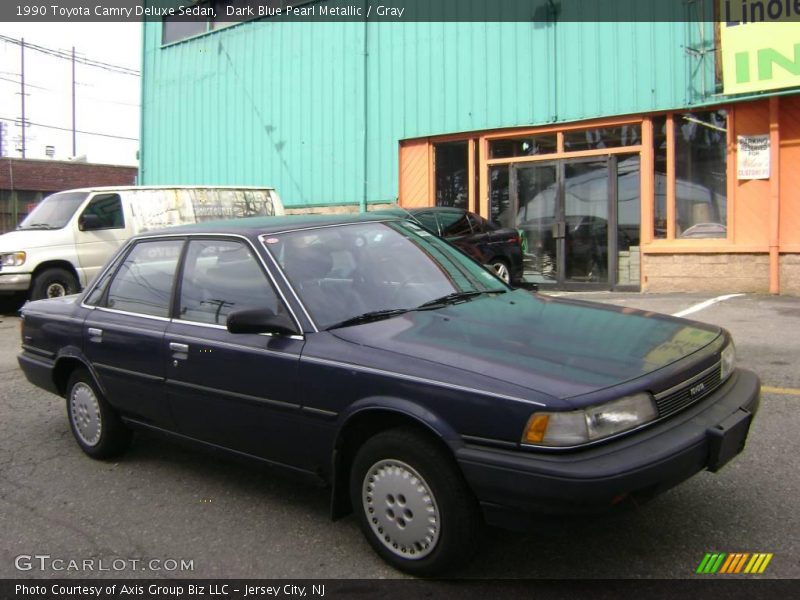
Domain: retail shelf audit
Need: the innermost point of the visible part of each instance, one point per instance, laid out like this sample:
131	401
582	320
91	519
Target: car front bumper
15	282
513	485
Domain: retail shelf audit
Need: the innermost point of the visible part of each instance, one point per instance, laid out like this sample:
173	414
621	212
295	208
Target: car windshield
357	272
54	211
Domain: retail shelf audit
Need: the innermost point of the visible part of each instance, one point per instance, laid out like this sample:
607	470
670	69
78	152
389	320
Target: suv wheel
501	269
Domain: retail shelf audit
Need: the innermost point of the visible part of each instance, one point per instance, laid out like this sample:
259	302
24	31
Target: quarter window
219	277
143	283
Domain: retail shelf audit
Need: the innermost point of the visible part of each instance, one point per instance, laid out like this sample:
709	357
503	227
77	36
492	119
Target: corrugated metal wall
301	106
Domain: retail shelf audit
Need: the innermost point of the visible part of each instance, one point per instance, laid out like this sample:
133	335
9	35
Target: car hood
563	348
27	239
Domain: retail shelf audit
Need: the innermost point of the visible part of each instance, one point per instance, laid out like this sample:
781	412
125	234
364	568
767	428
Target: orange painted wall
790	173
415	174
751	210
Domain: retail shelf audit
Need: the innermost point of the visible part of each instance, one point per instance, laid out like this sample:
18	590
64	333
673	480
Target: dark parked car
367	354
490	244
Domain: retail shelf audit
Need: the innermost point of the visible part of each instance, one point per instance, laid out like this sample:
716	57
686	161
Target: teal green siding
311	108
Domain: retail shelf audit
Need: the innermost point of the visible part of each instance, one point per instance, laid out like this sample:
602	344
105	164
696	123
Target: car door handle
95	334
176	347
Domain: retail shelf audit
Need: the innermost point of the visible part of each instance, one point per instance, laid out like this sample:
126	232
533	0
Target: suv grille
687	393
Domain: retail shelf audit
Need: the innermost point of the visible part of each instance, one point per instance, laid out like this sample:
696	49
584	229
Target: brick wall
790	274
54	175
723	273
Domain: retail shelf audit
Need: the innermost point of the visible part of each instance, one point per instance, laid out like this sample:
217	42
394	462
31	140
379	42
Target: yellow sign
760	43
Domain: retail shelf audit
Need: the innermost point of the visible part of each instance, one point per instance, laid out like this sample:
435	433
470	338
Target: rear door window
143	283
454	223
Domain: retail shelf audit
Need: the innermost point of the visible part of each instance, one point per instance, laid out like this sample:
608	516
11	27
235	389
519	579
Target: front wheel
53	283
95	424
413	505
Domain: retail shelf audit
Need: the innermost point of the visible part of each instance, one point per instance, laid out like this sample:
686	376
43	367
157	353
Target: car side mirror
89	222
259	320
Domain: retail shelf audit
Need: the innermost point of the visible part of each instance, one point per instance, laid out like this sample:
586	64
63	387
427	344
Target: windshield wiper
368	317
455	297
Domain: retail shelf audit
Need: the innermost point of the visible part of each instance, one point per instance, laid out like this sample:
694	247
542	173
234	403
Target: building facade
612	134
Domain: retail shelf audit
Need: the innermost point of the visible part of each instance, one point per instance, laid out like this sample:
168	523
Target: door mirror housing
89	222
259	320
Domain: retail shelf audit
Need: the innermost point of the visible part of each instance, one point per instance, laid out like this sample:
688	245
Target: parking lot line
768	389
698	307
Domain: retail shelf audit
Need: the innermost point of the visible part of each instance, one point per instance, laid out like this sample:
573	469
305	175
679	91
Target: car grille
687	393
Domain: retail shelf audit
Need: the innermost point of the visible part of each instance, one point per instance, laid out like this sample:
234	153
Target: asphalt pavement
224	519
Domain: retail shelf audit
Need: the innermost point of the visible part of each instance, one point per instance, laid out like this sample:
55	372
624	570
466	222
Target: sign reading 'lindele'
760	42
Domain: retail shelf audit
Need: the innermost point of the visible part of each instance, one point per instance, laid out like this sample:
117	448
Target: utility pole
22	95
74	144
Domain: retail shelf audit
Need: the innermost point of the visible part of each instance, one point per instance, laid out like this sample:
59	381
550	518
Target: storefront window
660	179
452	181
529	145
701	174
500	209
604	137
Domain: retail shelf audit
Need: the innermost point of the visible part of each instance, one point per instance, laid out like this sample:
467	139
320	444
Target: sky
107	102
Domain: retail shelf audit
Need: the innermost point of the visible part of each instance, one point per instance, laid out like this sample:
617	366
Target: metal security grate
688	392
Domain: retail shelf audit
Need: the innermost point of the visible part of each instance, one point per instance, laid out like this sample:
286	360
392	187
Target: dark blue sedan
366	354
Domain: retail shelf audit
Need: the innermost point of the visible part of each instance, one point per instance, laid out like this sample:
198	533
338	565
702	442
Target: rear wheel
413	505
53	283
95	424
501	269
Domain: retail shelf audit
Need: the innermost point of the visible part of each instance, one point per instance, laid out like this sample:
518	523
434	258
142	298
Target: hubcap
84	410
56	290
401	509
502	272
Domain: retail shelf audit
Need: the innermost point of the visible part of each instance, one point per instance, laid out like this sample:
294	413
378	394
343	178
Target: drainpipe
363	207
774	196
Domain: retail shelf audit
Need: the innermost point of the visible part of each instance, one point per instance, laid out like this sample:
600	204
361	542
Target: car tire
397	478
500	268
95	424
54	283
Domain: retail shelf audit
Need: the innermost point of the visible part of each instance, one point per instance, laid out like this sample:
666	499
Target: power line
68	56
108	135
54	91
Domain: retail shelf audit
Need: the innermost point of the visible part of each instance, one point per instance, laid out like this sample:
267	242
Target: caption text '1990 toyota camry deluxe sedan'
367	354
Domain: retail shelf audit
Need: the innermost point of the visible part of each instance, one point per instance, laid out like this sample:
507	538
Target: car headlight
572	428
727	362
12	259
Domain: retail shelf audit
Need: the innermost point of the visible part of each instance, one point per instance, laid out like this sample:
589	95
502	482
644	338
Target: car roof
254	226
120	188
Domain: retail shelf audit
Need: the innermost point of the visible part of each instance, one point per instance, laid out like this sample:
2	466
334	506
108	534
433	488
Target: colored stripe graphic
731	564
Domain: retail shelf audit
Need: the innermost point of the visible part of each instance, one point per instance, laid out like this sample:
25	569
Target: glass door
578	219
535	191
586	204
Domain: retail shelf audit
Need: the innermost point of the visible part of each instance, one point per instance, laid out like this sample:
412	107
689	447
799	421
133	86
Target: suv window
107	208
143	282
454	223
428	220
477	222
219	277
